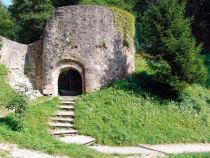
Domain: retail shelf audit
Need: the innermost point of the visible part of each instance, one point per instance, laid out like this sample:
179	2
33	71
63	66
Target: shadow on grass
144	84
11	122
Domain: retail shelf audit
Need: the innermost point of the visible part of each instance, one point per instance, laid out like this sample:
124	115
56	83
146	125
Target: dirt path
13	151
153	151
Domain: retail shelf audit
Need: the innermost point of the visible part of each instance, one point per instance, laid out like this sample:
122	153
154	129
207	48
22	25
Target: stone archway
70	83
65	66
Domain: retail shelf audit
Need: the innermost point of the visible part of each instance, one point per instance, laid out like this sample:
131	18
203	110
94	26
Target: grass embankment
5	91
137	110
35	122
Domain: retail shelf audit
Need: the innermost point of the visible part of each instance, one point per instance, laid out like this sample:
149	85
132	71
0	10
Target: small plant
102	45
18	103
28	70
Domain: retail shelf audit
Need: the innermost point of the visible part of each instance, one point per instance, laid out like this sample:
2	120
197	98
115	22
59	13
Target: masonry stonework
83	38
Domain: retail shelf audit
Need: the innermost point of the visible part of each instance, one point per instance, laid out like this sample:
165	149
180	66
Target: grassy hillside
35	136
35	125
5	91
137	110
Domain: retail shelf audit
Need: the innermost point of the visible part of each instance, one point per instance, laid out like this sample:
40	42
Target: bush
167	36
11	100
17	103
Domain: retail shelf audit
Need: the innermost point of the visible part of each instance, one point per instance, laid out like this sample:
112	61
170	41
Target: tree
31	17
6	23
167	36
60	3
200	10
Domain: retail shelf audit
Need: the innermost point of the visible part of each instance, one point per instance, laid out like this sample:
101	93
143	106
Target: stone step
65	113
61	125
78	139
68	98
61	119
66	107
63	132
67	102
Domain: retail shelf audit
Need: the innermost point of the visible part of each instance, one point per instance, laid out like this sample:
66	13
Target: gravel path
181	148
141	151
13	151
154	151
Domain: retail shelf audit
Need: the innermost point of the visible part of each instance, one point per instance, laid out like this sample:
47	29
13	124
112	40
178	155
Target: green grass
35	136
5	90
137	110
193	155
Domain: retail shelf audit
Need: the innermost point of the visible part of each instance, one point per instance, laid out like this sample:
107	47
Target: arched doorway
70	83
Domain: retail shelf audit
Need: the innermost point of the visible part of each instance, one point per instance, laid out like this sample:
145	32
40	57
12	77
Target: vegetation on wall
135	7
167	36
125	23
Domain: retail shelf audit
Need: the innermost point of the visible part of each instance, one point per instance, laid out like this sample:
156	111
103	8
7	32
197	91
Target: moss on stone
125	23
28	70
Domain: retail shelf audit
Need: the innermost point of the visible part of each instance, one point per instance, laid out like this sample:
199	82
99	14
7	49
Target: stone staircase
62	124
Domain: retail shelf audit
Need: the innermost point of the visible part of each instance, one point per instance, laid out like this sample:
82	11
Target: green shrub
18	103
167	36
11	100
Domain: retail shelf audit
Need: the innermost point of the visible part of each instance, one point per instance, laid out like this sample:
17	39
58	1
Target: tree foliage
200	10
60	3
31	17
6	23
167	36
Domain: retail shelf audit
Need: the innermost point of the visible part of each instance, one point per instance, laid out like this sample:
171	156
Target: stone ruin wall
82	37
85	36
17	57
